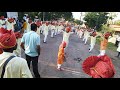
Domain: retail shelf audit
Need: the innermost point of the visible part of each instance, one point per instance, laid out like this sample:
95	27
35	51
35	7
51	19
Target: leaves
96	19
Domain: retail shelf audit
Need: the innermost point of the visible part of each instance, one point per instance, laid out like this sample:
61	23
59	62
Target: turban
107	34
94	34
18	35
10	19
7	39
38	23
68	29
99	67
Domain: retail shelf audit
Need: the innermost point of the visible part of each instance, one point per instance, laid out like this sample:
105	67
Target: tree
96	19
48	15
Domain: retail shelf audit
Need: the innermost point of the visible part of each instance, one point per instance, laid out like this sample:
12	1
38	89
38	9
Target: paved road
72	68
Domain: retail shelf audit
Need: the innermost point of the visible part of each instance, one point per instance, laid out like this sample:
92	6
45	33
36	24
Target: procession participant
52	30
45	32
86	35
38	23
118	49
24	27
17	52
36	19
61	55
30	42
66	35
42	27
104	42
81	32
29	25
17	67
10	24
56	29
2	22
99	67
49	26
92	40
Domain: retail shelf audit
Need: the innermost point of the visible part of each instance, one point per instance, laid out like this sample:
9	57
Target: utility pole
43	15
80	16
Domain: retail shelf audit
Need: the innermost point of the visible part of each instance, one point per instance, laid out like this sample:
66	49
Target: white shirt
9	26
45	30
66	36
93	40
16	68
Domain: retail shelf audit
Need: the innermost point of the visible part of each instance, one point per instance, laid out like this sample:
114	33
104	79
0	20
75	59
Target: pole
43	16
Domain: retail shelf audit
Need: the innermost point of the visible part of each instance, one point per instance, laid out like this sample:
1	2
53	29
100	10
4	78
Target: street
72	68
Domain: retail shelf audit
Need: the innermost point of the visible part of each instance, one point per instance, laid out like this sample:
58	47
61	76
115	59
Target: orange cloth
24	26
61	56
103	44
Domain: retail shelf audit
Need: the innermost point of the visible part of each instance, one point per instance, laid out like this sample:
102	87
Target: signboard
12	15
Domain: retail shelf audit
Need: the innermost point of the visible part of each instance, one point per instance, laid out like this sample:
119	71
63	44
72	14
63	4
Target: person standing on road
104	42
92	41
45	32
61	55
30	42
66	35
118	49
17	67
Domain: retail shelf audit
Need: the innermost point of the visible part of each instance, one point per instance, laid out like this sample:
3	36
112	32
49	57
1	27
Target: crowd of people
16	35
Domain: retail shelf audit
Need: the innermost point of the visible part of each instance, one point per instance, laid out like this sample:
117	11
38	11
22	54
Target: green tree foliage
78	22
48	15
96	19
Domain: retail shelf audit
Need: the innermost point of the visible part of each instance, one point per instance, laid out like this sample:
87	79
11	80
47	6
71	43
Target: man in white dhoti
86	36
93	40
45	32
10	24
52	30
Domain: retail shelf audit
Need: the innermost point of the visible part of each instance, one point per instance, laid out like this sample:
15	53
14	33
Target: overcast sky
76	15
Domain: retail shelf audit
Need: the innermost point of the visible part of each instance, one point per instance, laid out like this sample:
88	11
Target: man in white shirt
17	67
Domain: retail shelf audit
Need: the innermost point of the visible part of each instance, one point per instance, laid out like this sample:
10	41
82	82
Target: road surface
72	68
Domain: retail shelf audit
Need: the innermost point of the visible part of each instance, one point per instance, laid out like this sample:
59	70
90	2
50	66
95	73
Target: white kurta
52	30
2	22
17	52
9	26
16	68
45	30
38	30
66	37
118	49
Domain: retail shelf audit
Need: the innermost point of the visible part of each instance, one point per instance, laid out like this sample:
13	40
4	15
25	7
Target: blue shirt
31	40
